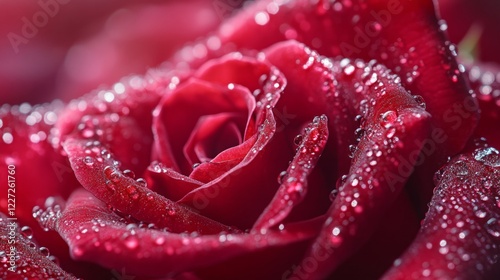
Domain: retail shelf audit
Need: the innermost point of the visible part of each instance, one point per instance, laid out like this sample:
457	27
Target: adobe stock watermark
363	37
283	118
454	116
31	26
202	198
226	8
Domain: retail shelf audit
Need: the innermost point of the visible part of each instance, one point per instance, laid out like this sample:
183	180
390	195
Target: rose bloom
272	139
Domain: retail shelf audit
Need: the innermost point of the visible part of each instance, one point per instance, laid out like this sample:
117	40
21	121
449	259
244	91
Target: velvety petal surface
460	236
96	234
100	175
394	127
294	182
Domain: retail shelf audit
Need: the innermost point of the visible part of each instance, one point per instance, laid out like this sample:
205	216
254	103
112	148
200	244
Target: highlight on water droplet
388	118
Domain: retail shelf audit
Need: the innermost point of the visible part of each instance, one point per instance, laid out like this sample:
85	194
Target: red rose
300	141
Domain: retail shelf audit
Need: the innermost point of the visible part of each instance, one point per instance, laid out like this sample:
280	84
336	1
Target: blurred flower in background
64	49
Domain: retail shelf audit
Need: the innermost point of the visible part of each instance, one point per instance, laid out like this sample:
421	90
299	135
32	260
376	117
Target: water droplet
390	132
349	69
480	213
388	118
54	259
352	150
335	241
132	192
159	241
359	133
461	168
88	160
44	251
333	194
281	177
493	227
27	232
295	190
298	139
489	156
171	211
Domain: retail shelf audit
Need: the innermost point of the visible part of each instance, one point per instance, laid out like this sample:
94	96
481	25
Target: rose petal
168	182
27	145
293	190
98	174
393	235
178	113
121	118
395	126
460	236
30	128
96	235
27	260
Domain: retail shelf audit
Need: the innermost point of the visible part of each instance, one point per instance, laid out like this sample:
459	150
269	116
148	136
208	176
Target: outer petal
24	259
460	236
293	189
27	137
395	127
179	112
120	117
485	81
98	173
97	235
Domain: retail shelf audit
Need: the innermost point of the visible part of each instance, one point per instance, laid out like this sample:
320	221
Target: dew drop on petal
131	242
88	160
390	132
129	173
388	118
132	192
